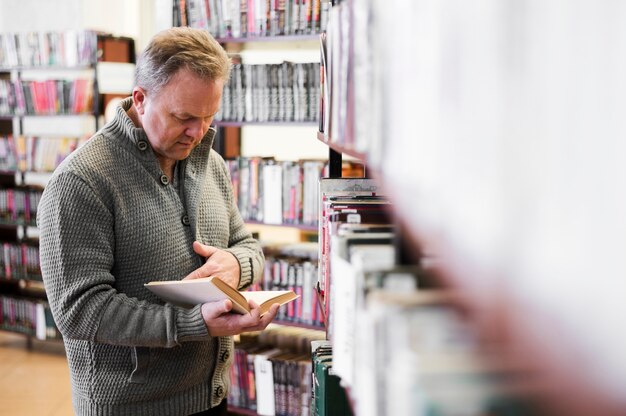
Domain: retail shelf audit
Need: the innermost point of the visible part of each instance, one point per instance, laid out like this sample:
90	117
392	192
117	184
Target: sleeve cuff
190	326
243	257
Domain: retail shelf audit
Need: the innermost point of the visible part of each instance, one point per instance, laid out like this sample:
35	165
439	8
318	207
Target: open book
191	292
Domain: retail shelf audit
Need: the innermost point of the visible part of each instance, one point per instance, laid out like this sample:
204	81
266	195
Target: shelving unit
269	39
257	34
54	92
254	138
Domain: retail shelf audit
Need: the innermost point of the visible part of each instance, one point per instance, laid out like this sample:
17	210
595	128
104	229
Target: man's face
179	115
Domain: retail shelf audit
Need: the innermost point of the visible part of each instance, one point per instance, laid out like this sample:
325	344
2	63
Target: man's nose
196	129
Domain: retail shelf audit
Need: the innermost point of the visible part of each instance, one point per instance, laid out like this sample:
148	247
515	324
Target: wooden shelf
304	227
226	123
241	411
23	116
46	68
298	325
346	150
58	115
283	38
18	223
23	289
32	285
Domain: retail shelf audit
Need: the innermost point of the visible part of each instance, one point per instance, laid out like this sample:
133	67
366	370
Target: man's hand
220	322
218	263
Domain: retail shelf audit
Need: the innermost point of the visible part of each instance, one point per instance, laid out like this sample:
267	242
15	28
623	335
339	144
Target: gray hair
177	48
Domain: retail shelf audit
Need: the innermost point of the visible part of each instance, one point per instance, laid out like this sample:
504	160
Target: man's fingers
271	314
196	274
266	319
215	309
220	324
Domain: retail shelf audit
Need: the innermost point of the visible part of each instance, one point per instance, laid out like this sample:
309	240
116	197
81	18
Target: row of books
359	205
52	96
19	205
271	373
399	342
401	346
351	81
328	397
27	316
409	350
276	192
271	92
34	153
336	67
293	267
68	48
251	18
20	261
281	192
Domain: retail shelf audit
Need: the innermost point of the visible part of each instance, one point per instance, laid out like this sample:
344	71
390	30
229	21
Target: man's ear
139	98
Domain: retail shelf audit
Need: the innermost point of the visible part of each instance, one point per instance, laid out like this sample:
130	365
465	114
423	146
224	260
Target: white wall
282	142
133	18
36	15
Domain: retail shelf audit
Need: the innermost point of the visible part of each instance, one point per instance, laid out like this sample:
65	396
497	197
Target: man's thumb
203	250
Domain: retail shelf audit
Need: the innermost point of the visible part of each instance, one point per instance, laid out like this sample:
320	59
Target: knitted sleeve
76	250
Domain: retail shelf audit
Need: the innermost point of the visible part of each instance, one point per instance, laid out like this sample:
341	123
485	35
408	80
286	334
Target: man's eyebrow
188	115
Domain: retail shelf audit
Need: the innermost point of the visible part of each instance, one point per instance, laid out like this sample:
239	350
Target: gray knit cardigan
109	222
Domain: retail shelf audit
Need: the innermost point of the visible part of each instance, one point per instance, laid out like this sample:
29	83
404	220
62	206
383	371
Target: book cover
191	292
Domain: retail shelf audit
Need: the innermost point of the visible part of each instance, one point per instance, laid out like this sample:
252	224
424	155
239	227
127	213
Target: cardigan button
165	180
185	220
142	145
219	392
225	356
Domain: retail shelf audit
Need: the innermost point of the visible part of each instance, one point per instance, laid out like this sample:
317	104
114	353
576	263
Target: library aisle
35	381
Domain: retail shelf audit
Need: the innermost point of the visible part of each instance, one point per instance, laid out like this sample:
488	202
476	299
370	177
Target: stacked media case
54	87
230	19
272	90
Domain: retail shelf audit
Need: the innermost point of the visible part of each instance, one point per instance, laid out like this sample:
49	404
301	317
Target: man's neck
167	165
132	113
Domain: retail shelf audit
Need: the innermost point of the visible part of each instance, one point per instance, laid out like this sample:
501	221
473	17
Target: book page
261	297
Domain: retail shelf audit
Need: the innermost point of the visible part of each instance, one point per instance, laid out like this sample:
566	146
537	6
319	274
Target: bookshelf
54	88
279	107
253	140
271	100
259	125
